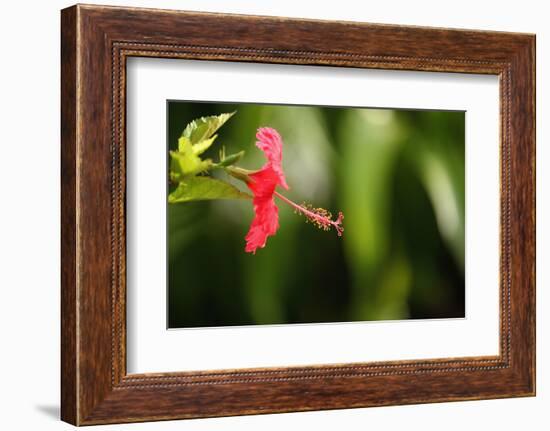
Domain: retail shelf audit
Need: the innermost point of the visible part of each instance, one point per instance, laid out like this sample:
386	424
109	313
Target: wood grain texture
69	397
96	41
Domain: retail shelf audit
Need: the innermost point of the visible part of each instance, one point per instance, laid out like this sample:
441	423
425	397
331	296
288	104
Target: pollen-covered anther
338	223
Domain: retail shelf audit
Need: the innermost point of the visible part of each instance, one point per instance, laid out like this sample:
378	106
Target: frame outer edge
532	101
69	197
533	56
523	216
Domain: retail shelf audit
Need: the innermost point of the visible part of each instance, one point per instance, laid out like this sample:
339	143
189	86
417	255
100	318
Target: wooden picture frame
95	43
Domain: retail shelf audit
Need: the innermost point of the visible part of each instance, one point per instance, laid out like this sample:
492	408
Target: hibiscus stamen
320	217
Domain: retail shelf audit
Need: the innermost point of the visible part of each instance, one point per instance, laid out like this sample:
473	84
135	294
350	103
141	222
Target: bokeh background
397	175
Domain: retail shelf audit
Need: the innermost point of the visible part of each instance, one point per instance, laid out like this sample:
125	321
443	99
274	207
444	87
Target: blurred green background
398	177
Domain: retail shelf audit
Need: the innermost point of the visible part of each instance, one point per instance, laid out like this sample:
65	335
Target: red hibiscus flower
263	183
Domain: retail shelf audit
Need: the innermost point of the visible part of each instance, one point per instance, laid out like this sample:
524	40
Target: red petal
270	142
265	223
266	219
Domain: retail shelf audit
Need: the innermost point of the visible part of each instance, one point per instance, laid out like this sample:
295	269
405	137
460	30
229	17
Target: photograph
300	214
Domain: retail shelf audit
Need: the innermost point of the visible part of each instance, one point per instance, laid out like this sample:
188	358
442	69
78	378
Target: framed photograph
282	215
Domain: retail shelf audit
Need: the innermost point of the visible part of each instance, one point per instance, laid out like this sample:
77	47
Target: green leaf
203	128
184	144
203	145
205	188
186	163
197	137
